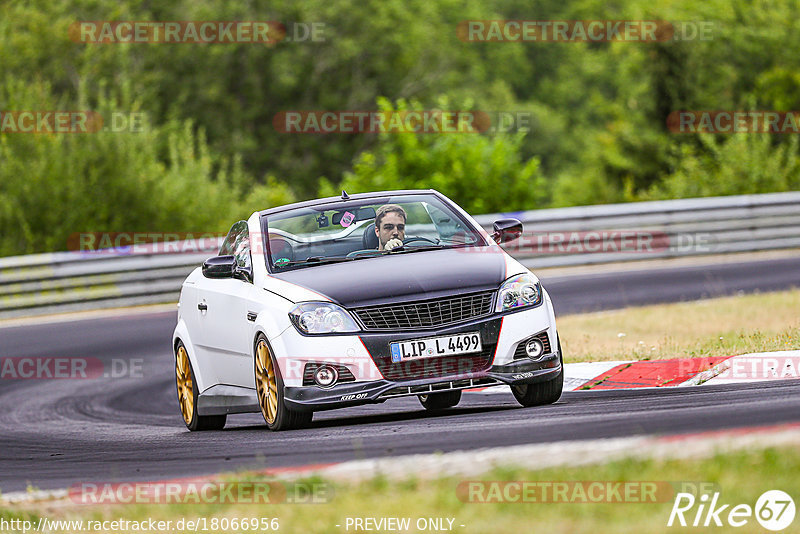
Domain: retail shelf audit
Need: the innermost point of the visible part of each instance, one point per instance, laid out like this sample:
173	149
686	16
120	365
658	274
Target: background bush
210	153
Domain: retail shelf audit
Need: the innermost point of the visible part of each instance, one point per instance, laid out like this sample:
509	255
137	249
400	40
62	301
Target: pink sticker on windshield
347	219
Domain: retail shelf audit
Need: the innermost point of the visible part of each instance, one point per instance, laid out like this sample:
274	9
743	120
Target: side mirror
219	267
506	230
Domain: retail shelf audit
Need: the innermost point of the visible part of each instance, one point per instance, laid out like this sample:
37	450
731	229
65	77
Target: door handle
202	306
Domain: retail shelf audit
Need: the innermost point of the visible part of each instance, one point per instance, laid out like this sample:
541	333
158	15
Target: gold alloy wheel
266	383
183	376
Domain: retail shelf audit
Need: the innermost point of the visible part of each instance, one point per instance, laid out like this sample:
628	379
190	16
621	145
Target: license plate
436	346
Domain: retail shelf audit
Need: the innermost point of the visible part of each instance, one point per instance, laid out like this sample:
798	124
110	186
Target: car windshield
345	230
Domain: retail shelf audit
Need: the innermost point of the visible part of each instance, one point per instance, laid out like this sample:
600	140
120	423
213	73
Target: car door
225	309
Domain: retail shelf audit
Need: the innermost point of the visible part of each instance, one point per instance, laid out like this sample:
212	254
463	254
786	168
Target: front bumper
379	379
307	398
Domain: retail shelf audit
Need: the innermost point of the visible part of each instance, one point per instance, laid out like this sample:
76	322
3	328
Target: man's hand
392	244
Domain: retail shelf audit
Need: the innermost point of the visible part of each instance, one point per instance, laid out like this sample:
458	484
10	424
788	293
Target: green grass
713	327
740	477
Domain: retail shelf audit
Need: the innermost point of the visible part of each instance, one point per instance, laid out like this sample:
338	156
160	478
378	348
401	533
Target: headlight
321	318
518	291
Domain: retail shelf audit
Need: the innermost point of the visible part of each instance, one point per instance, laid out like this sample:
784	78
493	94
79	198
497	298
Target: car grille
541	336
403	391
426	313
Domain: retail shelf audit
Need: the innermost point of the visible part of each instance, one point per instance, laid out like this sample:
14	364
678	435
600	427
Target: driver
390	226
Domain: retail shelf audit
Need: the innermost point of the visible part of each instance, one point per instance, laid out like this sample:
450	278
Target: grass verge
714	327
730	474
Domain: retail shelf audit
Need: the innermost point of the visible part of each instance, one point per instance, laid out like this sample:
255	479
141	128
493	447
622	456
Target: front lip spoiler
313	398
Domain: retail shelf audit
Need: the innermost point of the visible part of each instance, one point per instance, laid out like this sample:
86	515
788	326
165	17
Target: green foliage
742	164
211	154
485	173
55	185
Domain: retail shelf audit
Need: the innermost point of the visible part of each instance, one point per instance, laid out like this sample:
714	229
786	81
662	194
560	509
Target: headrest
369	239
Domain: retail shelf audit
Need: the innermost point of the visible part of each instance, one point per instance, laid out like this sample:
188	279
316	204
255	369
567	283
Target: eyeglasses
389	227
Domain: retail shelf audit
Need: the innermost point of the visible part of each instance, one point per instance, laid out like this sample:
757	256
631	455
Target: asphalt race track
54	433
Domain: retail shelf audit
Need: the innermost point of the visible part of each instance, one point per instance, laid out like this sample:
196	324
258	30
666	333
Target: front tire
544	392
269	389
440	401
187	395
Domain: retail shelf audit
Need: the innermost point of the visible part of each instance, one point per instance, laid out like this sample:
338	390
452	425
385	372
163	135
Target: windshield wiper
406	249
315	260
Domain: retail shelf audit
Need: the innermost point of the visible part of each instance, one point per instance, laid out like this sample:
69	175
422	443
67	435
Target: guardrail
68	281
666	229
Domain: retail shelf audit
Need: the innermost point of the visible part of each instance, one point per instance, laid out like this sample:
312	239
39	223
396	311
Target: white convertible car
358	299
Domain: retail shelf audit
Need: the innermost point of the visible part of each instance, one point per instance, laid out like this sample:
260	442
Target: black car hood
405	276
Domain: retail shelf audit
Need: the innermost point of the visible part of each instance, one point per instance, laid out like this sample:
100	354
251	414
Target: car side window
234	235
237	244
241	251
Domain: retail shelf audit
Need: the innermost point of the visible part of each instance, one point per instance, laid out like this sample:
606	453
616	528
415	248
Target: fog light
534	348
326	376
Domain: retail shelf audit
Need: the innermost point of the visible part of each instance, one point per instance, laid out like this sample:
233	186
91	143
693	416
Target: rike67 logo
774	510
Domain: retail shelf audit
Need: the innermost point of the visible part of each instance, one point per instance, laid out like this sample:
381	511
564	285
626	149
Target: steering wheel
375	252
408	240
